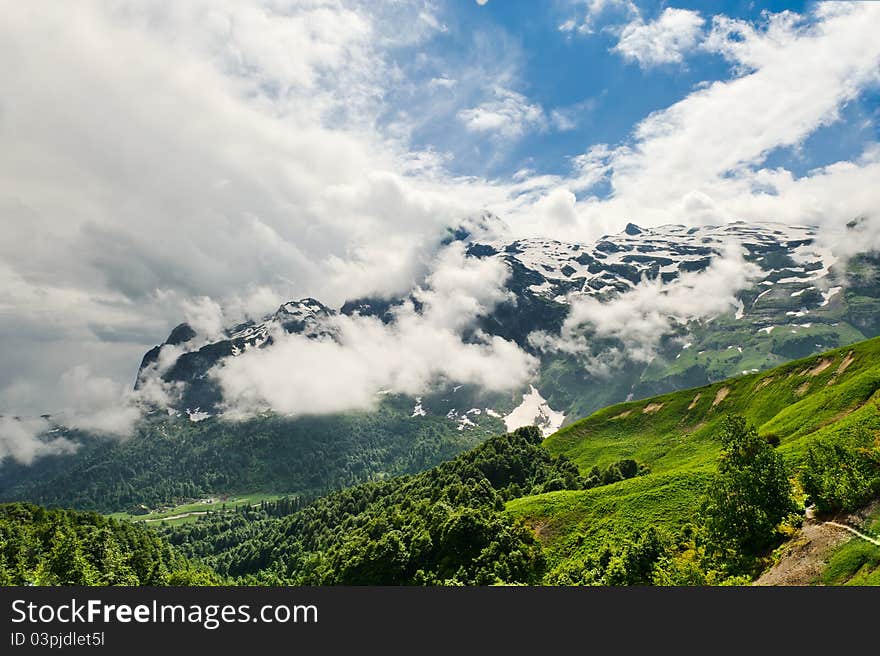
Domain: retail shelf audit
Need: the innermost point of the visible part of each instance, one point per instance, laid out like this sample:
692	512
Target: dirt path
855	532
806	556
807	553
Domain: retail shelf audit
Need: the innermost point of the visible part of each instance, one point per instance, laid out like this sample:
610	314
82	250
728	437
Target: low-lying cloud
102	406
409	355
638	319
26	439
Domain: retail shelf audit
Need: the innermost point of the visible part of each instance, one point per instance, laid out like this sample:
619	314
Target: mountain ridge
798	291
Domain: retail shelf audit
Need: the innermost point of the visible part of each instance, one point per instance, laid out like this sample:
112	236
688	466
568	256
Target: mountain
611	499
306	317
800	301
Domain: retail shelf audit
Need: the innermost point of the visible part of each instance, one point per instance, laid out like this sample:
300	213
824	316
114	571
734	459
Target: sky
209	160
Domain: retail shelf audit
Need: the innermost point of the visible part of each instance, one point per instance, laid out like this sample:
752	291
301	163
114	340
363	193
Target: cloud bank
410	355
25	440
702	159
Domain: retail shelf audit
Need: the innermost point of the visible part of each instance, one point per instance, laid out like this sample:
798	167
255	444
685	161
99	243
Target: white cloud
443	82
103	406
570	117
205	316
25	440
800	79
598	11
410	355
700	160
509	115
155	155
639	318
663	41
223	150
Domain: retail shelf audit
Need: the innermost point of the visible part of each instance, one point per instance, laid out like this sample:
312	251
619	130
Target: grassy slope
818	396
856	562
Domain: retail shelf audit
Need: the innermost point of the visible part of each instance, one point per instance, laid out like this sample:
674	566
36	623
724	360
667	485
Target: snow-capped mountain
800	302
617	263
796	300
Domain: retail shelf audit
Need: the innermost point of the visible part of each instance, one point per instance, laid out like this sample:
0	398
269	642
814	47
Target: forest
172	460
66	547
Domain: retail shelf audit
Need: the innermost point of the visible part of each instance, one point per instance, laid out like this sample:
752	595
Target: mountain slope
389	532
801	301
822	397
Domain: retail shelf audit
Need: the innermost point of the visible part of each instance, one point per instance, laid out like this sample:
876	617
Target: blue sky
604	94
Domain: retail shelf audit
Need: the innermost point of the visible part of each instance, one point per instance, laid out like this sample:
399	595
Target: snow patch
462	419
534	410
197	415
826	296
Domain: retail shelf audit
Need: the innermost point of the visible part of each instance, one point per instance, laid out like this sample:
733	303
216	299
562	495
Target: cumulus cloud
509	115
701	160
235	152
597	11
224	151
25	440
410	355
637	320
665	40
800	77
205	316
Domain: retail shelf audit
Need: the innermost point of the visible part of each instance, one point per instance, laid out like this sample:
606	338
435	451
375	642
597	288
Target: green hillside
798	401
856	562
66	547
172	461
825	397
